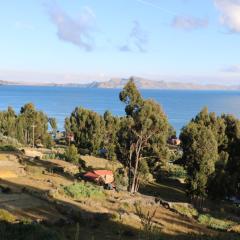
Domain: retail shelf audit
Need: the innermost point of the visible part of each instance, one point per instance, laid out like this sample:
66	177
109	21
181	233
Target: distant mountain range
141	83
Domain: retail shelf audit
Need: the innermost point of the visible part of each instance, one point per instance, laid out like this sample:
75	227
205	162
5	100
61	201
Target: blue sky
86	40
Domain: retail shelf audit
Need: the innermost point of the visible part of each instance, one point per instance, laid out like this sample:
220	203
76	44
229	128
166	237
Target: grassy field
70	209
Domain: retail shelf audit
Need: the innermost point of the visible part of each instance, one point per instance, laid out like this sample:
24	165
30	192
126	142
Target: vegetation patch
215	223
8	148
6	216
186	210
83	190
176	171
35	170
25	231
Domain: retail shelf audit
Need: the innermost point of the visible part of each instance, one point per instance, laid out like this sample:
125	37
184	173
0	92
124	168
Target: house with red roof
100	176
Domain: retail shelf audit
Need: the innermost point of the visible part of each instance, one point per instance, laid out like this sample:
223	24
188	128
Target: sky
94	40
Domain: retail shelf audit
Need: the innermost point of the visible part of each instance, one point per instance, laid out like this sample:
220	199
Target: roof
97	173
91	175
102	172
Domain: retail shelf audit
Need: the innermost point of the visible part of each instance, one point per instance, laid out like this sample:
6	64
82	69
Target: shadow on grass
92	225
48	166
167	189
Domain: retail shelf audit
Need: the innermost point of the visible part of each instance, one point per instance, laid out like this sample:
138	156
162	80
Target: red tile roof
103	172
97	173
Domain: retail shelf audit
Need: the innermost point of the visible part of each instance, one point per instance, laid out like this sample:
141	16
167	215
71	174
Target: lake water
59	102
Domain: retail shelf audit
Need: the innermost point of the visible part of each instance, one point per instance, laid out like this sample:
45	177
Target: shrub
28	231
185	209
121	179
6	216
5	140
215	223
83	190
71	154
176	171
8	148
35	170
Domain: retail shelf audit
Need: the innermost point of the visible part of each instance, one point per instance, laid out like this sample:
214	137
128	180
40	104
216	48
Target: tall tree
88	129
144	125
110	139
200	154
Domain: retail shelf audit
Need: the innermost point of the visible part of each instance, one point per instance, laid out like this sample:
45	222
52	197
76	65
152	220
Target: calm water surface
59	102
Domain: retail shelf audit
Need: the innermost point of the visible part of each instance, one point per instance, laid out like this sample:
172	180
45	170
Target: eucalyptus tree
142	132
88	130
111	127
200	154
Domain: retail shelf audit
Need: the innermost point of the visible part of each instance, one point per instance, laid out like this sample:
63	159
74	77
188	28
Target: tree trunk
134	182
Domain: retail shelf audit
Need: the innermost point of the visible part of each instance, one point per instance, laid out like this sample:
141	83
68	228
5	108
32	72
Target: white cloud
137	39
77	31
189	23
232	69
230	14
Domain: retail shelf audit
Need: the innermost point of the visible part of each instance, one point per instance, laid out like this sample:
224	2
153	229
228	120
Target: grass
8	148
176	171
82	190
20	231
185	210
6	216
35	170
215	223
168	190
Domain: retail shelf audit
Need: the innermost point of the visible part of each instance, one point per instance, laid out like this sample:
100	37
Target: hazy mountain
6	83
142	83
149	84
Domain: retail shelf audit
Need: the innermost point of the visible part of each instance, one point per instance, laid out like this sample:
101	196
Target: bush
176	171
25	231
5	140
35	170
79	191
121	179
185	209
215	223
8	148
6	216
71	154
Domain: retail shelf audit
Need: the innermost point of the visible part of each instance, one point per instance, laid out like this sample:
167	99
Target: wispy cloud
137	39
156	6
232	69
77	31
229	14
189	23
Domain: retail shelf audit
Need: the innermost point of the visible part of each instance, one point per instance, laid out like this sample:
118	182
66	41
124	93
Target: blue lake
59	102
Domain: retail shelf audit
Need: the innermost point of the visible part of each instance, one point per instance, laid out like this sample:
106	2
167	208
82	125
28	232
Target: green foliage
28	127
53	123
9	141
185	209
224	180
29	231
71	154
81	190
121	179
200	154
110	139
88	129
131	97
215	223
8	148
142	135
176	171
35	170
6	216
